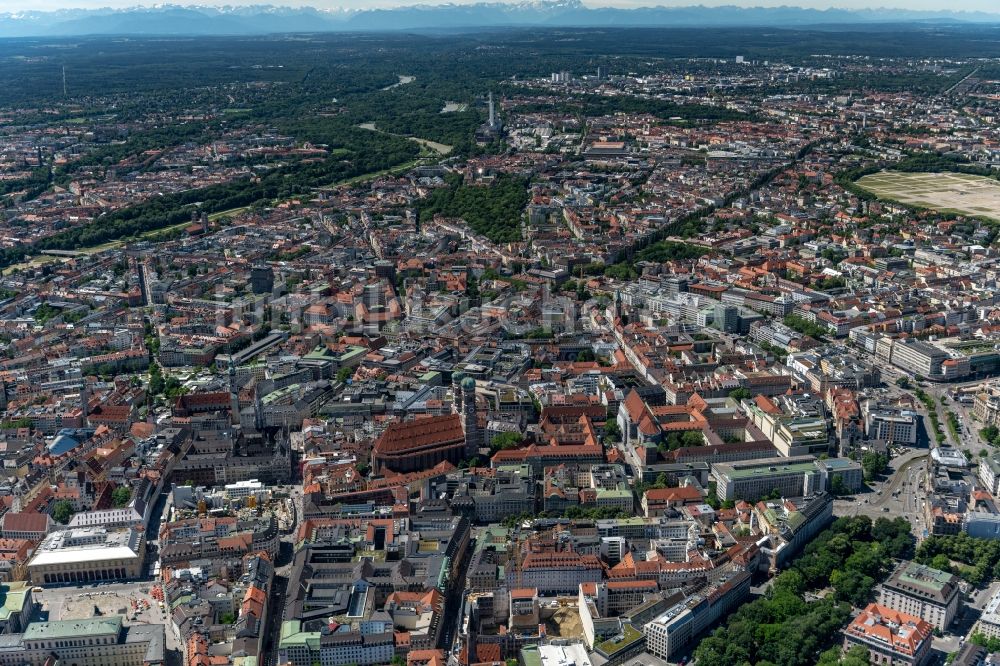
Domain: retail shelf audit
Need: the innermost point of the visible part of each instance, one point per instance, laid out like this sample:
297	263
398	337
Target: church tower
234	395
470	422
84	402
456	392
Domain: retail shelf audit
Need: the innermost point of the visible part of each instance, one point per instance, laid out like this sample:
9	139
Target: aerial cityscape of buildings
579	395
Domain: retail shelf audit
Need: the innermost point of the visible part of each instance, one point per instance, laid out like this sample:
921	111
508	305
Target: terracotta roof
488	651
680	494
112	413
904	633
632	585
25	522
420	433
766	405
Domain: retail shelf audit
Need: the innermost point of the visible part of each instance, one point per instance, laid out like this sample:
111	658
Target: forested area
671	251
33	185
155	138
850	557
492	210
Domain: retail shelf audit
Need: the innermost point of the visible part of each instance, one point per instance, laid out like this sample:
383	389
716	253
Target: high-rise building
470	422
727	318
261	279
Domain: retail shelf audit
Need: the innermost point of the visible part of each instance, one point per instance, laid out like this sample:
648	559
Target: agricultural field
946	192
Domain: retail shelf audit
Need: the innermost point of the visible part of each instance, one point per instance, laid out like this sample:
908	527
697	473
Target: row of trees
671	251
573	513
782	628
805	327
931	404
981	557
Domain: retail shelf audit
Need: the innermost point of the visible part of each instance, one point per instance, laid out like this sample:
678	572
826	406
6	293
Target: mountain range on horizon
269	19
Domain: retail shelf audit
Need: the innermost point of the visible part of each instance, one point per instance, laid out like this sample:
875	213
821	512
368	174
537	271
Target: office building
338	648
98	641
677	628
752	479
844	473
890	425
918	357
919	590
553	571
989	473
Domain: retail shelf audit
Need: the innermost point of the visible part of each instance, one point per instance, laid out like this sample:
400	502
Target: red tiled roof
420	433
680	494
903	632
25	522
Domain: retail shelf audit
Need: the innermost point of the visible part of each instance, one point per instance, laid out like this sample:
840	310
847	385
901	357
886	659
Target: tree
991	644
612	431
991	435
856	656
156	383
344	374
172	388
838	487
873	464
121	496
903	382
941	562
505	441
740	394
62	512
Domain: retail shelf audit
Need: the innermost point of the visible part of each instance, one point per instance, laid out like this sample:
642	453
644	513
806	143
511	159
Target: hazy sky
954	5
